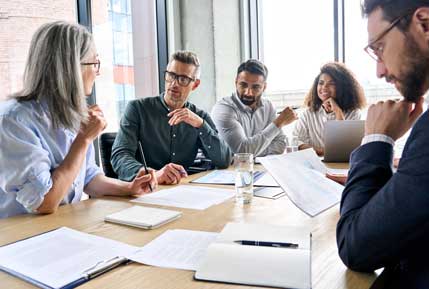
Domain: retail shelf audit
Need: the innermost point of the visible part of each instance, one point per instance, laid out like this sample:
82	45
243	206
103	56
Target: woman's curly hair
349	93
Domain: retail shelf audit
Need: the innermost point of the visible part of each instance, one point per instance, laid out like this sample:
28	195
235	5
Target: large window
296	38
364	67
125	36
18	22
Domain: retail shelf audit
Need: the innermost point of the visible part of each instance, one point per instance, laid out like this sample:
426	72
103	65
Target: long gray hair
53	72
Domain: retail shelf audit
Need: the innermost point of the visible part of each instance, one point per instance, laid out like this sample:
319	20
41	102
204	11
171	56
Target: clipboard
66	269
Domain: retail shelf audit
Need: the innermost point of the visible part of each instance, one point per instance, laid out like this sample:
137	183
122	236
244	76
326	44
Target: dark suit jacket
384	216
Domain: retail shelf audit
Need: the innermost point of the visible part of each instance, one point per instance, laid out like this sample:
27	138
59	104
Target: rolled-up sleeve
301	130
92	170
25	165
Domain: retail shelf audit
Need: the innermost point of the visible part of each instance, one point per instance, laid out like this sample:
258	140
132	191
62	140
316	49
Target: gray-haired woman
46	130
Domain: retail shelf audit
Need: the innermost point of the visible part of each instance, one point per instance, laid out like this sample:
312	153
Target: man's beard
416	63
248	100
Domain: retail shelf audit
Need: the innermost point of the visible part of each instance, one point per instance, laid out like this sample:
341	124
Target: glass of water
292	144
243	164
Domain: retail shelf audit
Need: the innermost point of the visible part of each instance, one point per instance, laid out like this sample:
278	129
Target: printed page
302	176
178	249
61	256
266	180
191	197
217	177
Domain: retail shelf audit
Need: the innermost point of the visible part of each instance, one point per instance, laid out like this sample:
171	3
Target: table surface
87	216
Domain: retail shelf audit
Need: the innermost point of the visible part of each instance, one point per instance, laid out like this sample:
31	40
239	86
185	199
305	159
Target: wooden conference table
328	272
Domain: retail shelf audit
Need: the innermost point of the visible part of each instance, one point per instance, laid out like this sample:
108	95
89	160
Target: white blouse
310	126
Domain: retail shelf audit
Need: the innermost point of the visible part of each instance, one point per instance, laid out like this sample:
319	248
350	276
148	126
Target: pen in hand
293	107
144	162
267	244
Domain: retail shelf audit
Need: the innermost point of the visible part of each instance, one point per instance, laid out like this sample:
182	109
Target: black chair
106	142
201	164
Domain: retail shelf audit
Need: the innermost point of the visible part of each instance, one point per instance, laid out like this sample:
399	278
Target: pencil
144	162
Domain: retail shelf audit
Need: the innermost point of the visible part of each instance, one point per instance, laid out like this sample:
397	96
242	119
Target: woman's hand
330	105
143	183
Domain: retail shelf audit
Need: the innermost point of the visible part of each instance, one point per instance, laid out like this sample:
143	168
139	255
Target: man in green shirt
170	129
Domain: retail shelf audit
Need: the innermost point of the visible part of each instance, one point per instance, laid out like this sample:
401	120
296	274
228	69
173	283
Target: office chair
106	142
201	164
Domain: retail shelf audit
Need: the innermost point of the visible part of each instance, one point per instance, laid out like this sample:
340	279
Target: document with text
62	257
190	197
302	176
178	249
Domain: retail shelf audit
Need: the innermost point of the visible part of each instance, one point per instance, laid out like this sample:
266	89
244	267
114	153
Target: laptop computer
341	138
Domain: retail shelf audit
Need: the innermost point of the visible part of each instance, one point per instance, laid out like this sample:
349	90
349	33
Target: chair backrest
106	142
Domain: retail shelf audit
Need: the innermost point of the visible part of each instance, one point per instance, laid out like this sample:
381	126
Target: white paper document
339	172
266	180
57	258
191	197
178	249
302	175
227	177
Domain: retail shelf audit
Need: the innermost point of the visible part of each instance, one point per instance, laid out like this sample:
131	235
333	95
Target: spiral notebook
143	217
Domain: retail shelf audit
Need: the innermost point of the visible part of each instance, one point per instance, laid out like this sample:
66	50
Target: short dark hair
187	57
393	9
253	66
349	93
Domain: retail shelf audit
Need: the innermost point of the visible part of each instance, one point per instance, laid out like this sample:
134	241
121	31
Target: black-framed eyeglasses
377	52
182	80
96	64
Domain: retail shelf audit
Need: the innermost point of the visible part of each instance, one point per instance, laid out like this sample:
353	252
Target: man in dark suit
384	215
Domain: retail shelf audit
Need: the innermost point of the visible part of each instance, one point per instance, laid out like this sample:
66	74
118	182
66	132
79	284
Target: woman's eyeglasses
96	65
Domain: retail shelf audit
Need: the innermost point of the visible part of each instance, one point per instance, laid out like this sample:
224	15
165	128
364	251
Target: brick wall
18	21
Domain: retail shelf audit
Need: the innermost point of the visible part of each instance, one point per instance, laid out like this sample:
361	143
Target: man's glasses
376	52
96	65
182	80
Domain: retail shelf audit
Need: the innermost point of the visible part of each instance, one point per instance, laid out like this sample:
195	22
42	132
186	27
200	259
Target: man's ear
421	18
196	84
265	86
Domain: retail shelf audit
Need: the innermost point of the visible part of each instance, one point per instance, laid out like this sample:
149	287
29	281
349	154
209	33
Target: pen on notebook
266	244
144	162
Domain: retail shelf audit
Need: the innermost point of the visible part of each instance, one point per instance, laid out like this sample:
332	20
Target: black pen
293	107
144	162
267	244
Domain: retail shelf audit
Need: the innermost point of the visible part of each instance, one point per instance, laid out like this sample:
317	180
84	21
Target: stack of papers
190	197
303	177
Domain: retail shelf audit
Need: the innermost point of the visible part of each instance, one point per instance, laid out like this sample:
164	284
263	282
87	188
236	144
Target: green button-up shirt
146	120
